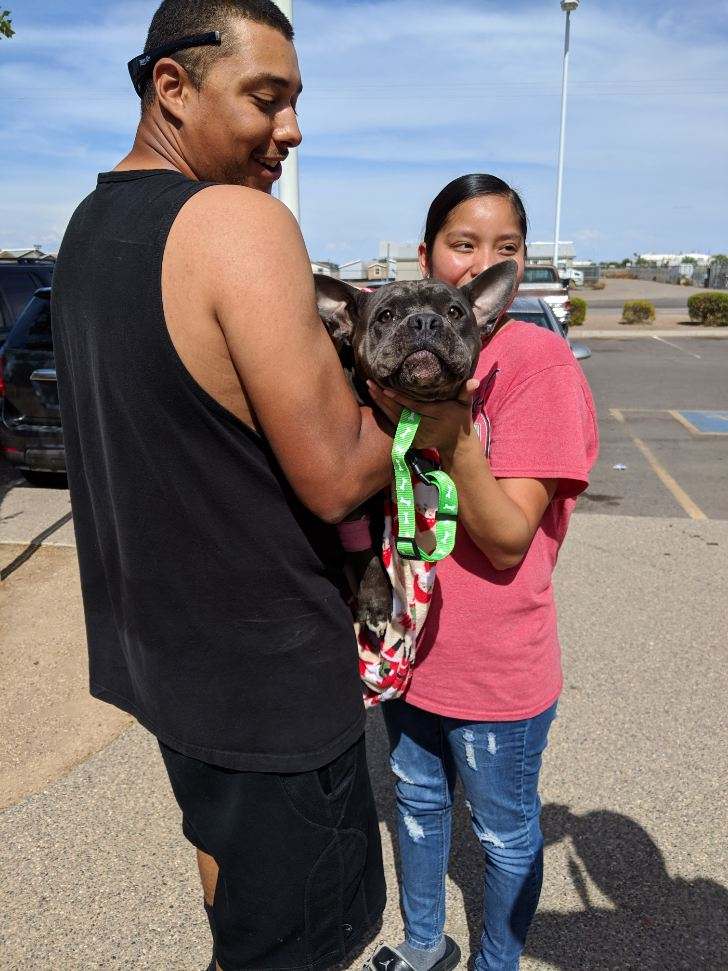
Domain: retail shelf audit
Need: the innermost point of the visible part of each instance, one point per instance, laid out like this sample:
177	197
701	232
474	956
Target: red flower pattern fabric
385	664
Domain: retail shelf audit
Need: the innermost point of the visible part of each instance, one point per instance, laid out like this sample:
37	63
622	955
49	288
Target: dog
421	338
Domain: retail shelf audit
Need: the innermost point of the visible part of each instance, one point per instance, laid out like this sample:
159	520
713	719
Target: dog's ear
490	293
338	307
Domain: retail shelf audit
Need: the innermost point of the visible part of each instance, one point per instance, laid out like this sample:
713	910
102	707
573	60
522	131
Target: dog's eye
454	313
385	316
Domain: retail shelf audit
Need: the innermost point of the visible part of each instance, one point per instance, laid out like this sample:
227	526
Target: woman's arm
500	515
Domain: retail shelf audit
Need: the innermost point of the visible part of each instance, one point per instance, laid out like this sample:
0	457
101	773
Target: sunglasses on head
141	67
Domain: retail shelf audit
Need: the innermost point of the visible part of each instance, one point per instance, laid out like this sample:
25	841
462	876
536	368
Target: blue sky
400	97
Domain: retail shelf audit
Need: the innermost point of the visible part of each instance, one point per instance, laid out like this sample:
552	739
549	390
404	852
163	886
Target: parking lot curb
719	332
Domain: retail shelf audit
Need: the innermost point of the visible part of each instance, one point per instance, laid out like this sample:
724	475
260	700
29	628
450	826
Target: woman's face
477	233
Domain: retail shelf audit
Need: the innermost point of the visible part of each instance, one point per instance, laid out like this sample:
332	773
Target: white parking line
677	492
676	346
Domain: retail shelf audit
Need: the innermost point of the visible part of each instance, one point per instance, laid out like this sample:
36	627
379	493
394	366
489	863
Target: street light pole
567	6
288	183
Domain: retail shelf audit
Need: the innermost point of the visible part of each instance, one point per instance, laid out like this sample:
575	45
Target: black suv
19	279
30	420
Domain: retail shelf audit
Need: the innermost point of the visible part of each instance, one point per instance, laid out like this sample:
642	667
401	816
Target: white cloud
589	235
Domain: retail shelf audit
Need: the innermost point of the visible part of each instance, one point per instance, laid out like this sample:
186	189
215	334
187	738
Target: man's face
241	124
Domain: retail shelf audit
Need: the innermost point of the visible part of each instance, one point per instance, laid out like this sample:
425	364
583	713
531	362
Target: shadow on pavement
11	478
644	918
653	922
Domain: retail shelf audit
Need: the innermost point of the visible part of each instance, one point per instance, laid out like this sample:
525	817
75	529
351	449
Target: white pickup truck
545	283
569	275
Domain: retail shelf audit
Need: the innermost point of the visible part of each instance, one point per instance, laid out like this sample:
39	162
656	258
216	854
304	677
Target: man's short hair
176	19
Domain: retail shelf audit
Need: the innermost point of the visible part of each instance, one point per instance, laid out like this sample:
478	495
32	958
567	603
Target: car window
18	286
39	334
538	274
33	328
540	320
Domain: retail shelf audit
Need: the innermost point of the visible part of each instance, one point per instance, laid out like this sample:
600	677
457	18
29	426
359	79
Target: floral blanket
385	665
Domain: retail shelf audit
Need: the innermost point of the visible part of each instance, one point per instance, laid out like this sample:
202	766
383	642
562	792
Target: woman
488	674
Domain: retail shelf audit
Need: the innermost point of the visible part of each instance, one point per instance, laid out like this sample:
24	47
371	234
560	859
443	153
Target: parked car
544	283
569	275
19	279
30	421
538	312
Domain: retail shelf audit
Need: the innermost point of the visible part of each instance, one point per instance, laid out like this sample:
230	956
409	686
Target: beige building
377	270
396	261
29	253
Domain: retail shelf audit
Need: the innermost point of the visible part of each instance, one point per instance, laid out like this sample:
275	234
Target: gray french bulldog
421	338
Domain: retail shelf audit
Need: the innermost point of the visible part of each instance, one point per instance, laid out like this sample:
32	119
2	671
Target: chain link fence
713	277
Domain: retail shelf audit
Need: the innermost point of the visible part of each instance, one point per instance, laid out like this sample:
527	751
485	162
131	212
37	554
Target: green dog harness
447	497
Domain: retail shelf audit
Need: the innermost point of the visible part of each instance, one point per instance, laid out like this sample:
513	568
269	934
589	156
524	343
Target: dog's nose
426	323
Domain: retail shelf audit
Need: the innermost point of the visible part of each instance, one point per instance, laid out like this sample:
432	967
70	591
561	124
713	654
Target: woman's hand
501	517
444	424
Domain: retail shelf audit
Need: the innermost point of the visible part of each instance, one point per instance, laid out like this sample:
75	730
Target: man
211	437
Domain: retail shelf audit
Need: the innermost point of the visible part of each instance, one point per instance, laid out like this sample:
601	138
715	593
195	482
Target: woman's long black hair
460	190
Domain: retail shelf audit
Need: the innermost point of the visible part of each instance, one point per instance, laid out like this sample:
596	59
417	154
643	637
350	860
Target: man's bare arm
334	453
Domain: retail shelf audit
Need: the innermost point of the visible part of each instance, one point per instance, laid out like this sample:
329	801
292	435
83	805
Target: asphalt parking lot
641	387
95	874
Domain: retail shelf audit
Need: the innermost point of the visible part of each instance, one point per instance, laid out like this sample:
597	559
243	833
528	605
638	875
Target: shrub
638	312
578	311
709	308
598	284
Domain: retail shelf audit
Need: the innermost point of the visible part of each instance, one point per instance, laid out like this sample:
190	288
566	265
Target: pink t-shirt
490	648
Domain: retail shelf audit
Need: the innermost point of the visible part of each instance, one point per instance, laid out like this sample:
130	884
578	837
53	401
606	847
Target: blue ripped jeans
498	764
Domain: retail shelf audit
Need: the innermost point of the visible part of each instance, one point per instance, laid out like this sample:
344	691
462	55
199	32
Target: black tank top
211	594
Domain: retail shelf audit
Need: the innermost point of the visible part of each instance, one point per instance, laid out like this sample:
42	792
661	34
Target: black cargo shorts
301	881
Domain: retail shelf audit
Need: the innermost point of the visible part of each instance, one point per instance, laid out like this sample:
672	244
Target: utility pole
288	183
567	6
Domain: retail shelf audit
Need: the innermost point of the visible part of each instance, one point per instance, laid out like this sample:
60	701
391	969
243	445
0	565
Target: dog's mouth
426	370
423	371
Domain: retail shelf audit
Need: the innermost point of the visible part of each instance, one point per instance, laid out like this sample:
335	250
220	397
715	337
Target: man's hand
444	424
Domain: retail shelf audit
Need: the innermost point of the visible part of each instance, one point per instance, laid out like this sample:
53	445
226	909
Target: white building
542	252
397	261
402	258
326	267
353	271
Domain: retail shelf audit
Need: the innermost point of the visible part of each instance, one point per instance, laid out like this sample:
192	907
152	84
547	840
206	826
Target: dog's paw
374	599
375	625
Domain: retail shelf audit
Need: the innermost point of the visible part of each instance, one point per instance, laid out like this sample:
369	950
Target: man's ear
338	307
490	293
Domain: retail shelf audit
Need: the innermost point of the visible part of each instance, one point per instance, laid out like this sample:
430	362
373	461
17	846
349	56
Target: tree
6	28
719	258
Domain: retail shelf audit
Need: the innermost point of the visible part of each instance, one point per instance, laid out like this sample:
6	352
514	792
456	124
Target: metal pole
560	176
288	191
